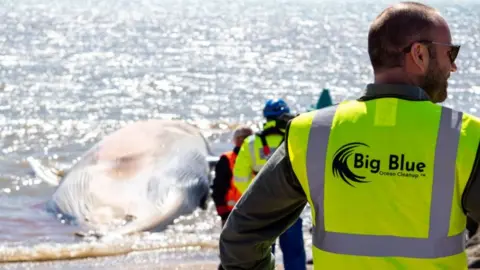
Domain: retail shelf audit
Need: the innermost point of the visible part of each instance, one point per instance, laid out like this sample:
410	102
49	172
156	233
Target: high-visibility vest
254	153
233	195
385	179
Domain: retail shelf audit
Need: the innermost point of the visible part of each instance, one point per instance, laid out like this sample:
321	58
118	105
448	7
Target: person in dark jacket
225	194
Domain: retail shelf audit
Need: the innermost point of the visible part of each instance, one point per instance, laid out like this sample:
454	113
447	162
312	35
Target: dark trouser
224	219
472	227
293	248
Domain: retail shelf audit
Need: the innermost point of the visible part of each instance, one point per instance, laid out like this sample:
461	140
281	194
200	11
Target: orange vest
233	195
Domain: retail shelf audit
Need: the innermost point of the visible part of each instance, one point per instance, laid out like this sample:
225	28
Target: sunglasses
452	53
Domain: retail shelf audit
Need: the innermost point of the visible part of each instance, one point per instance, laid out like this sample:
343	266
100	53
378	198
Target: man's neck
394	77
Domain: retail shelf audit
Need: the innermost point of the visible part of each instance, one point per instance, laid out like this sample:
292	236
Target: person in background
324	100
253	155
224	193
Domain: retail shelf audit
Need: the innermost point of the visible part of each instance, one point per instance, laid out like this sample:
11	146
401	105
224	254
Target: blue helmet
275	107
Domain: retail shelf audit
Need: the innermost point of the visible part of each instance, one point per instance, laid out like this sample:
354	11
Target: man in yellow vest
257	148
253	155
390	177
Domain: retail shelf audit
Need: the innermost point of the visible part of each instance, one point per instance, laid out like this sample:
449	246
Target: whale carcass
141	177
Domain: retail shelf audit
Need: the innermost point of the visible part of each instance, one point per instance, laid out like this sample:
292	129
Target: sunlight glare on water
74	71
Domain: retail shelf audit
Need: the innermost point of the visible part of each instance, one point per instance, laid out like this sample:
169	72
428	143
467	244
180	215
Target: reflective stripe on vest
438	244
251	147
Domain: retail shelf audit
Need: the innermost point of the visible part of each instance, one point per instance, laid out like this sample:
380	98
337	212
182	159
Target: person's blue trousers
293	248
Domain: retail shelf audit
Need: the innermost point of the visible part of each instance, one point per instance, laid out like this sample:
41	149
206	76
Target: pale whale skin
139	178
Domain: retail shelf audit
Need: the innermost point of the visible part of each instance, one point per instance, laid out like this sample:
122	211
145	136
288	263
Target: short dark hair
395	28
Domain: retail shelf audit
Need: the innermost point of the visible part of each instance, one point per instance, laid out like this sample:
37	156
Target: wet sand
201	266
186	266
158	260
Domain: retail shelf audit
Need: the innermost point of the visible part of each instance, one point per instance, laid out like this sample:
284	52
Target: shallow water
73	71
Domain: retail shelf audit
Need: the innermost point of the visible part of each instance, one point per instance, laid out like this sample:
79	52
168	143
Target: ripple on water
73	71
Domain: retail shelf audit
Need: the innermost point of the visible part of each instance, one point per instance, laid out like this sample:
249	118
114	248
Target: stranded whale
139	178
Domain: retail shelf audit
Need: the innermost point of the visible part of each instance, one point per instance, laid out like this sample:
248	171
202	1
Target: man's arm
271	204
471	194
242	171
221	184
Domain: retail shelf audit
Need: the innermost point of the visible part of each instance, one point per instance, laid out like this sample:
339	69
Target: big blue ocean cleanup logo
355	153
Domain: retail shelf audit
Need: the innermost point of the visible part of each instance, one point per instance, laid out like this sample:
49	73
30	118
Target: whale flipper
48	175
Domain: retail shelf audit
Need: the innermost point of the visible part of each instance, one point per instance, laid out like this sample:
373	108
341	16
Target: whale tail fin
48	175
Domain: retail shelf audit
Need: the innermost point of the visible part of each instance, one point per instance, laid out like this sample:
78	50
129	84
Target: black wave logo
340	167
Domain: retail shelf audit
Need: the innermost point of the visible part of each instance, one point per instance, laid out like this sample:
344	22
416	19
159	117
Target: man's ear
419	54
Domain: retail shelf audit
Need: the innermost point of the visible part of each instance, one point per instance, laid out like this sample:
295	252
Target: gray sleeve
271	204
471	194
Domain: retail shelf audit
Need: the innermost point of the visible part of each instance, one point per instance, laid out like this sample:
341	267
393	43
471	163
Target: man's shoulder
222	159
473	118
245	144
305	119
468	120
225	155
